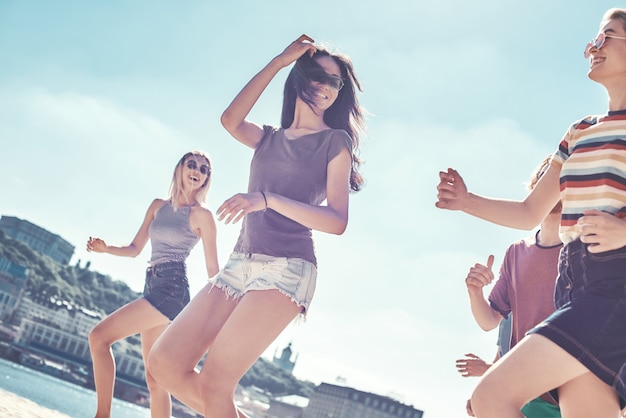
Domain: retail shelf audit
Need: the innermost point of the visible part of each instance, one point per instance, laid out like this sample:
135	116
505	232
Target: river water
53	393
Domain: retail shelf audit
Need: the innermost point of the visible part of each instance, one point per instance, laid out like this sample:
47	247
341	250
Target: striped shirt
592	158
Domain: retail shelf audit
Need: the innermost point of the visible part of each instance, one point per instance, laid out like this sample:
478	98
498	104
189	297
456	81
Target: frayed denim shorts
294	277
590	320
167	288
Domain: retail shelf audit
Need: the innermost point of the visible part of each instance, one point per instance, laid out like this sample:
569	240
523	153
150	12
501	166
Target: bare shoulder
158	202
200	216
156	205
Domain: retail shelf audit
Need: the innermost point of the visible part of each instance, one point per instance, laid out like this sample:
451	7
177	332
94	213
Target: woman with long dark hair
300	178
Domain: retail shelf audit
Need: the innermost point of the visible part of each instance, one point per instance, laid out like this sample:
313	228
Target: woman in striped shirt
579	352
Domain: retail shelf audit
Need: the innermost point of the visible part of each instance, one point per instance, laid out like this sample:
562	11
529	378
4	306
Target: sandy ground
14	406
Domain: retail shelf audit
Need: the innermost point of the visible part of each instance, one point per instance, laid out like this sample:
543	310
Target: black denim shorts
590	320
167	288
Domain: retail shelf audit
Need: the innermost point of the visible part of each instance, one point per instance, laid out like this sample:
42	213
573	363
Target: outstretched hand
96	245
480	275
239	205
296	49
602	231
452	192
472	365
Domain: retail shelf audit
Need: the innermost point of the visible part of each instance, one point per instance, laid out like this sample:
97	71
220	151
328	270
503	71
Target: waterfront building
290	406
61	330
37	238
345	402
13	279
284	361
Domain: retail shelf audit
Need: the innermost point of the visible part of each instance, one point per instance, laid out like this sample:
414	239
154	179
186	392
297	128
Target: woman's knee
489	396
152	383
98	338
161	365
155	364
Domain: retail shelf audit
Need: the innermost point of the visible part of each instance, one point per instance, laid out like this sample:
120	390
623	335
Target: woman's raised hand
296	49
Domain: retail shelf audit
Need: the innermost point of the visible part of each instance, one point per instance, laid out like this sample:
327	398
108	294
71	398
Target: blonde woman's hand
96	245
602	231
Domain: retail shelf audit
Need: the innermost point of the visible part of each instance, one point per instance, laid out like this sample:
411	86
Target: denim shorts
590	320
167	288
293	277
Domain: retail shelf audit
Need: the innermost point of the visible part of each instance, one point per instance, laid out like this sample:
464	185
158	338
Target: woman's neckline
283	131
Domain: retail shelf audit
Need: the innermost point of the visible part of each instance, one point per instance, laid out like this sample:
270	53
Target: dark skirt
590	320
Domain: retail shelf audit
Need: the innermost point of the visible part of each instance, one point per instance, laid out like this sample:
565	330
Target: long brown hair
345	113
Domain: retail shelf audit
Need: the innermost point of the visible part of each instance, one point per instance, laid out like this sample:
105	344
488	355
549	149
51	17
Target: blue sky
98	100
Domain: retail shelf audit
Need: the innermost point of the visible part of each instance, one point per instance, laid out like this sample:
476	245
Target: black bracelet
265	199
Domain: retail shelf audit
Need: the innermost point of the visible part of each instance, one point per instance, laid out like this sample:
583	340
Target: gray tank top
170	234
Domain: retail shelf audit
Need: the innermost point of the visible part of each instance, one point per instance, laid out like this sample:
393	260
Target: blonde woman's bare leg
258	319
160	399
588	396
534	366
176	352
128	320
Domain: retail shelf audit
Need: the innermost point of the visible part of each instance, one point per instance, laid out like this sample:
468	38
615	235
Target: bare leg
588	396
160	399
257	320
128	320
535	366
176	352
212	323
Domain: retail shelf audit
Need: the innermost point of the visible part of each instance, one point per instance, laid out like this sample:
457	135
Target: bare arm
478	277
203	224
526	214
332	218
234	117
133	249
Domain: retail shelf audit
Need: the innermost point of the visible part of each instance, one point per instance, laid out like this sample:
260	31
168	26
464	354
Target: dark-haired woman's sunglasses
204	169
332	81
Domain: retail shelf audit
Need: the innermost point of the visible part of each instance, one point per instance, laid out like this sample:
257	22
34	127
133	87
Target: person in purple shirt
524	289
301	175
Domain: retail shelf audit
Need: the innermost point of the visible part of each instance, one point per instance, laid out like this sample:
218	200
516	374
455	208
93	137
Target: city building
38	239
13	279
290	406
60	330
284	361
344	402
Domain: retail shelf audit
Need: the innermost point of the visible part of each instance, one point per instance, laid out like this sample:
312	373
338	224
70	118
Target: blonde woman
579	352
173	226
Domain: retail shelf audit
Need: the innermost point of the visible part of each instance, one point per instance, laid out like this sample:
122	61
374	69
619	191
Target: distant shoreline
12	405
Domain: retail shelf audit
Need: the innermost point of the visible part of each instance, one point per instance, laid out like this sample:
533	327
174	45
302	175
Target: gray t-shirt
295	169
